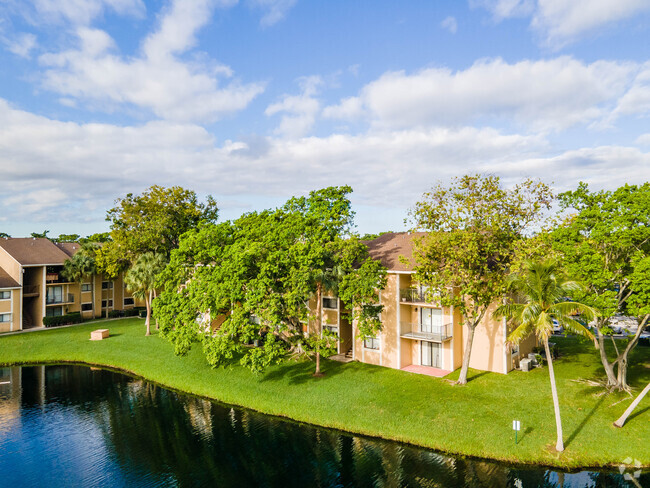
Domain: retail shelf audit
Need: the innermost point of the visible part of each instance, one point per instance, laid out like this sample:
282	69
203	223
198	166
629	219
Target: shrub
114	314
71	318
131	312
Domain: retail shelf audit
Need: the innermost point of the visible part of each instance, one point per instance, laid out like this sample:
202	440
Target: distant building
32	287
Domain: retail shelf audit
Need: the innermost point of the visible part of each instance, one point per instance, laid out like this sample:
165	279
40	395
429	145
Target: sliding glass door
430	320
431	354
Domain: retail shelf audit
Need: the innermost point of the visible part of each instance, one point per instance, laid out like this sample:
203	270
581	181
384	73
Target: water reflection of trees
179	440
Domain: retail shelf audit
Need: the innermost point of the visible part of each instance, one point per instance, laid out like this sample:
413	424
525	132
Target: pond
63	426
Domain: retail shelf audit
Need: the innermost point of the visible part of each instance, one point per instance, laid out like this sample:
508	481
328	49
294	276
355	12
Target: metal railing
50	300
416	295
432	333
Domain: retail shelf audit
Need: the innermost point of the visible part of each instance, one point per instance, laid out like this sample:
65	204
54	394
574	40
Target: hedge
71	318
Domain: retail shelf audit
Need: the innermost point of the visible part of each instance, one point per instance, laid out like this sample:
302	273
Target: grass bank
474	420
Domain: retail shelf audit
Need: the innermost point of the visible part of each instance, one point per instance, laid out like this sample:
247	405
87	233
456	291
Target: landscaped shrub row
71	318
124	313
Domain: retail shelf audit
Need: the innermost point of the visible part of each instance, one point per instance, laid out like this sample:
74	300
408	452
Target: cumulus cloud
636	100
541	95
82	12
449	24
273	10
157	80
21	44
560	22
299	111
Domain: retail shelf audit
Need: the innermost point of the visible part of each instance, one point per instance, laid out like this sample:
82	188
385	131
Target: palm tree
544	289
325	279
141	280
621	420
80	265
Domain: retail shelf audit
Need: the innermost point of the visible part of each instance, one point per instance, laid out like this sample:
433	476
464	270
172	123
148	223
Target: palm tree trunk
319	320
147	322
156	318
462	379
559	446
621	421
317	362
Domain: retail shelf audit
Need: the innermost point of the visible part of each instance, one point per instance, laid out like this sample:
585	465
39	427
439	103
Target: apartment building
419	334
32	285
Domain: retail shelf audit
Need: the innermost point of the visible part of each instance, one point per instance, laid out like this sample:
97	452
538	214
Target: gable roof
387	248
7	281
70	248
30	251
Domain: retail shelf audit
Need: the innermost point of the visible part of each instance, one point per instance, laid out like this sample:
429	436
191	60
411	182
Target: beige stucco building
418	334
32	286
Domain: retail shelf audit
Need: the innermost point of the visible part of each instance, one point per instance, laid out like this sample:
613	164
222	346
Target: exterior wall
11	266
489	350
11	306
34	307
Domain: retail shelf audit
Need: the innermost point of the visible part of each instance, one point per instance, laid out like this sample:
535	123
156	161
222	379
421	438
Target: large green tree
151	222
474	226
543	290
605	243
258	273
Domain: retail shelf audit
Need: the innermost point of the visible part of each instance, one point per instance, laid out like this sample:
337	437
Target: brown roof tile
388	247
70	248
29	251
7	281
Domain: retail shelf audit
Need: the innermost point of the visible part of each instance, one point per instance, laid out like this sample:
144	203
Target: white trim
44	292
400	272
399	324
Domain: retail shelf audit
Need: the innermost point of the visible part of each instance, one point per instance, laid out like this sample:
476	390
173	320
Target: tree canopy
151	222
473	226
252	278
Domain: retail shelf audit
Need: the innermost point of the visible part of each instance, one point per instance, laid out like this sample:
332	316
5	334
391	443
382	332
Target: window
331	303
5	317
54	294
54	312
107	285
106	303
86	307
86	287
5	295
371	343
128	301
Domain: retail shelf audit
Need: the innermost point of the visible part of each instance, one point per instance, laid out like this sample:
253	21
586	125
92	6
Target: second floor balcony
417	295
429	333
59	299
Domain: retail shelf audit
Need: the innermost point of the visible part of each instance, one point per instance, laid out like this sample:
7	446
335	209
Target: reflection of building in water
199	412
16	386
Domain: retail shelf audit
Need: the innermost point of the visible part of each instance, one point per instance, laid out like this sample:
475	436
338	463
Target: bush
131	312
115	313
142	313
71	318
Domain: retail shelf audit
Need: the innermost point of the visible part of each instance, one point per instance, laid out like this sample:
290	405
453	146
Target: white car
557	328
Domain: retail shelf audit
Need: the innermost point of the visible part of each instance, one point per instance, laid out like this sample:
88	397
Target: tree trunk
317	363
622	358
155	295
621	421
462	379
319	320
559	445
147	322
609	367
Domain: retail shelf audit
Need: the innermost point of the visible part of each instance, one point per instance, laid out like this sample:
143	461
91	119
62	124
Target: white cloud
450	24
299	111
637	99
157	80
560	22
542	95
643	139
22	44
82	12
274	10
348	109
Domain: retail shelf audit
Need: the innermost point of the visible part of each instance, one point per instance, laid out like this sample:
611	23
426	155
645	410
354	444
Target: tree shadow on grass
636	414
584	422
303	372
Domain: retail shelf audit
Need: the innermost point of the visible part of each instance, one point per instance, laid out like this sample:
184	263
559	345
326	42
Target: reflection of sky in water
70	426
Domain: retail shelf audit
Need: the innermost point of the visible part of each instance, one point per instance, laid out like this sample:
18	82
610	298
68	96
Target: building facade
32	285
419	334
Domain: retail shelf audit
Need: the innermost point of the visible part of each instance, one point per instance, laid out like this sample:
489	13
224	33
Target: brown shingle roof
388	247
30	251
70	248
7	281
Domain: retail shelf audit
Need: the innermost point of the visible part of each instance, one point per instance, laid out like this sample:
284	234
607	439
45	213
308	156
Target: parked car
557	328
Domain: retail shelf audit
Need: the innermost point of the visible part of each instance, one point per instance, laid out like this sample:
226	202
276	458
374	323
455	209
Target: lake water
69	426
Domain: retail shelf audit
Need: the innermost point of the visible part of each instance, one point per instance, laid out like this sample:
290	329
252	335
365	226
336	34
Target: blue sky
254	101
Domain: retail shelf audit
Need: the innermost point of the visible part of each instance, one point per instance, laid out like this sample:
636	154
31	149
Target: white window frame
128	304
8	295
88	310
330	298
375	340
5	318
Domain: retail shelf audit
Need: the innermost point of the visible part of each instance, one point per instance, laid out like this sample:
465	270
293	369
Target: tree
151	222
40	235
543	290
79	266
623	418
67	238
141	280
474	226
606	245
257	274
4	235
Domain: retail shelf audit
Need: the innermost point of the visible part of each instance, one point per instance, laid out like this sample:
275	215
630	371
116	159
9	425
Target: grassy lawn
474	420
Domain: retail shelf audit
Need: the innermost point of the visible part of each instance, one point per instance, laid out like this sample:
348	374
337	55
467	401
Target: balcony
31	291
416	295
65	299
436	333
